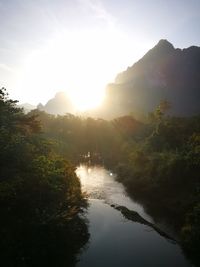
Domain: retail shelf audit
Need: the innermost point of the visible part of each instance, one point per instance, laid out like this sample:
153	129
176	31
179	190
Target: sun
87	99
79	63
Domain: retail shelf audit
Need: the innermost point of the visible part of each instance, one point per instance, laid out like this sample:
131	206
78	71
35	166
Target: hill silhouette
59	104
27	107
163	73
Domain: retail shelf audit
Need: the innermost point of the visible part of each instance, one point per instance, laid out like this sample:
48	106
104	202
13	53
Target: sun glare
81	64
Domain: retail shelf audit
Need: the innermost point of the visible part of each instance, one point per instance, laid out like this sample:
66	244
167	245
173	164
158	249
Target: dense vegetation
158	160
40	195
163	169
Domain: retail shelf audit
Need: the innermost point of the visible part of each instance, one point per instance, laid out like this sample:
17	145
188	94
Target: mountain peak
164	42
59	104
164	45
162	73
60	95
161	50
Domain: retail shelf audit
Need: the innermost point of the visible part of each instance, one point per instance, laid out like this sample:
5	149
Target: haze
79	46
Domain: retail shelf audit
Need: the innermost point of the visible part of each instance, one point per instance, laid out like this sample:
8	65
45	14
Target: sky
79	46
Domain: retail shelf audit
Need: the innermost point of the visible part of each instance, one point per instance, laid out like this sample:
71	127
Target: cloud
99	11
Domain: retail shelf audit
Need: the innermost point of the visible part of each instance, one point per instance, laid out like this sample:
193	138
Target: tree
40	195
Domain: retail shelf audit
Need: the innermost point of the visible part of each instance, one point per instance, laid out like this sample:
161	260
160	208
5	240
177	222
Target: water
116	241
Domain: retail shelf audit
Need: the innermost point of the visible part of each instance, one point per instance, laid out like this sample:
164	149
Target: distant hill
27	107
163	73
59	104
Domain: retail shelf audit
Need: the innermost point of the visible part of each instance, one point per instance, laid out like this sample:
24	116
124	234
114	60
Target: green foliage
163	169
40	194
161	109
158	161
191	229
190	233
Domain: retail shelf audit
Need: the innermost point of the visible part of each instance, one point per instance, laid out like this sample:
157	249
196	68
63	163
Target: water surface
116	241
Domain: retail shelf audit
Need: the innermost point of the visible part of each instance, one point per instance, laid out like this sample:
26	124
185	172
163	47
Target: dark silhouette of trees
40	195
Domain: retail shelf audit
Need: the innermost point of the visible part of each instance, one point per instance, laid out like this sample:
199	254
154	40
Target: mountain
27	107
163	73
59	104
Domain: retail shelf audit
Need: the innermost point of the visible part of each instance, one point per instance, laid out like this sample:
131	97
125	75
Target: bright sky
79	46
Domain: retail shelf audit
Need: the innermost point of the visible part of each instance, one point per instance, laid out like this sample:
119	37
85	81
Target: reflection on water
114	240
99	183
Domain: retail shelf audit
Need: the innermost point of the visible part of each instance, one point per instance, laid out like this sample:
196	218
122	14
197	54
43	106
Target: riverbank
119	238
157	160
174	204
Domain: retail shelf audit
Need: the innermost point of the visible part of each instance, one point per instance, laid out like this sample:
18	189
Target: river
114	239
